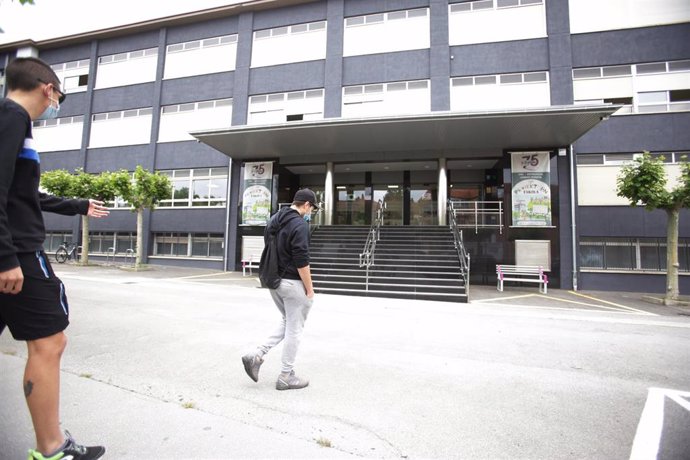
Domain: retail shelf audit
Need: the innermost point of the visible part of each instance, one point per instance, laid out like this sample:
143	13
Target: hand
97	210
310	294
11	281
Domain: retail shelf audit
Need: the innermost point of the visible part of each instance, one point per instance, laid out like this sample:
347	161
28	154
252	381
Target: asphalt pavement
152	370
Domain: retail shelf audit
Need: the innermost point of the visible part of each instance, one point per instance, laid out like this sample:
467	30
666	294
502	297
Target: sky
48	19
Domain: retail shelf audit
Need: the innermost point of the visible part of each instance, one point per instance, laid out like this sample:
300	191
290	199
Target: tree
644	182
144	191
81	185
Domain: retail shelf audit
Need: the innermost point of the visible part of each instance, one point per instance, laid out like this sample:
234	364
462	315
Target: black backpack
268	267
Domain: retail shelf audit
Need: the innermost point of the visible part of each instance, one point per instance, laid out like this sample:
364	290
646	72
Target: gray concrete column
329	204
442	191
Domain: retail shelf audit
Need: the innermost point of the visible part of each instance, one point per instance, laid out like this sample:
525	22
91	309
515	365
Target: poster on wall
256	193
531	190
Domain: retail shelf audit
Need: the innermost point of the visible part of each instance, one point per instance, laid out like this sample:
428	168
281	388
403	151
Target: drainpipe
573	204
228	205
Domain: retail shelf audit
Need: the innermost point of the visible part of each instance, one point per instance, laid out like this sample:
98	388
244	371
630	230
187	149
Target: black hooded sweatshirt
292	242
21	221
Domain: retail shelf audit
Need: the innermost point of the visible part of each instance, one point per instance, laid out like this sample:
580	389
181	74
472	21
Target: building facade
516	114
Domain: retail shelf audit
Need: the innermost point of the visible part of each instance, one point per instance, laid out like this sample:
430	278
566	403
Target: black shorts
40	309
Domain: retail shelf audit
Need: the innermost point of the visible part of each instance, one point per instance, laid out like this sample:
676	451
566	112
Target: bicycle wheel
61	255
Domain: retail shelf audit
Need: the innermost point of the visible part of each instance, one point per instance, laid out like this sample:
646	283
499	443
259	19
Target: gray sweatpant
294	306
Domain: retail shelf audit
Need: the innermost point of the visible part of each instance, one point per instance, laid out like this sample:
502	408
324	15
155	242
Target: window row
505	79
478	5
206	187
195	245
617	159
638	69
640	88
191	245
630	254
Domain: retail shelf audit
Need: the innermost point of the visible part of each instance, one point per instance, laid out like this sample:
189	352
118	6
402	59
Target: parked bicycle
66	251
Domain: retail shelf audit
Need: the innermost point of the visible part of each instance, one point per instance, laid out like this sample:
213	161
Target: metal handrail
366	258
463	255
479	214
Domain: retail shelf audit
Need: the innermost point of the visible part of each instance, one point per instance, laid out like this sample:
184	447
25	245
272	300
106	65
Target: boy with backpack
290	285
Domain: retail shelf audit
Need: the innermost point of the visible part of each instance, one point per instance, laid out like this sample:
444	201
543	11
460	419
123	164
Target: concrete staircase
409	262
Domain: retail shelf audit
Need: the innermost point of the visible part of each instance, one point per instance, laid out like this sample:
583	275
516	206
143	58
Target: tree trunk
84	240
140	238
672	291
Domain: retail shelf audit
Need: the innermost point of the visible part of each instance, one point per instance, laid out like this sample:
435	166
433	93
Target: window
641	88
597	15
201	187
664	101
486	21
178	120
58	134
127	68
630	254
618	159
285	107
506	91
386	99
74	75
283	45
201	57
55	239
387	32
112	242
127	127
189	245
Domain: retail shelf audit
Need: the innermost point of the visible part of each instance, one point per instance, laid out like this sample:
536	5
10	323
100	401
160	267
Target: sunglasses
62	96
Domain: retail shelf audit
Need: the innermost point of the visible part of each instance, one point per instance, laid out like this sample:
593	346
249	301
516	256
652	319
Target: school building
501	124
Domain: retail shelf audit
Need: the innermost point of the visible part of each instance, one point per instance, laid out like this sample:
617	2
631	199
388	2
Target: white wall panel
293	47
123	131
596	185
201	61
497	25
129	72
59	137
662	82
601	88
387	36
499	97
177	126
595	15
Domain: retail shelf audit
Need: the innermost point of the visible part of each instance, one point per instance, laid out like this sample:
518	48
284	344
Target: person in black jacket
33	304
295	295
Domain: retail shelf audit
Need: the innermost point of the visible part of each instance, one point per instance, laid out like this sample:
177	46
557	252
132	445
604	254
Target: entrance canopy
446	134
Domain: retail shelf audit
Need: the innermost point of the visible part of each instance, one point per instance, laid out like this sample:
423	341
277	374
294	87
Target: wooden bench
522	274
252	247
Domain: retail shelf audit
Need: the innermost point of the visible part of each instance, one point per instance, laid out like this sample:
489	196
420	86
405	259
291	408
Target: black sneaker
71	451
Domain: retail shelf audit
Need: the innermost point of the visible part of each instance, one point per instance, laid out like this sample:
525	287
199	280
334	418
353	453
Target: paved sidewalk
153	370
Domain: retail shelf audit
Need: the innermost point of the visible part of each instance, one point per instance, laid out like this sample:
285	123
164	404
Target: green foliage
643	182
146	190
58	182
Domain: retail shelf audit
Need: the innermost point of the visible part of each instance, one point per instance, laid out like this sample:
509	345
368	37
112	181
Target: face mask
307	217
50	111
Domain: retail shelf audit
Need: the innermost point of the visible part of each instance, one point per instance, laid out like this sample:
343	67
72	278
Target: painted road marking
649	430
610	306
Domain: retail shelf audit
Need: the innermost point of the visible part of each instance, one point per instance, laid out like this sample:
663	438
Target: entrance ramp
410	262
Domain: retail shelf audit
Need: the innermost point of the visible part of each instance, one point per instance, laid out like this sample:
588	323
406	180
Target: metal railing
477	214
366	258
463	255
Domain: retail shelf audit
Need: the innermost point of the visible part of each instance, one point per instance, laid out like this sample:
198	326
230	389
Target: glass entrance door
392	197
350	205
423	205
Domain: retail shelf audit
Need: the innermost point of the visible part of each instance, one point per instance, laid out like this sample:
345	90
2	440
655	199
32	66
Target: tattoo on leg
28	387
